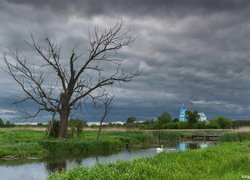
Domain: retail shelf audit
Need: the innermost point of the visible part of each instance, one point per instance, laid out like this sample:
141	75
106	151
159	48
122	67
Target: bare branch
59	87
107	107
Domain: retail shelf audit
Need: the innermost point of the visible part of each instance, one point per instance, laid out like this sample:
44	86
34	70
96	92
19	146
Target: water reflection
56	166
41	168
193	145
182	146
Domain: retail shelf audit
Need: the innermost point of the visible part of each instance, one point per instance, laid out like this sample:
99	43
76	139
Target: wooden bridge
205	137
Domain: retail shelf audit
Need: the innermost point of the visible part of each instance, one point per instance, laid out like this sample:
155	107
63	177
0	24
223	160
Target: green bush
224	123
171	125
185	125
182	125
201	125
76	125
53	129
213	125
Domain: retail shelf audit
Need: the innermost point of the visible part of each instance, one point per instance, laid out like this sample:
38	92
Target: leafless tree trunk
84	75
107	109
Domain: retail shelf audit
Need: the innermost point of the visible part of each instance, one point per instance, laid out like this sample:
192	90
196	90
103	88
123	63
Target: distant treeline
6	124
240	123
164	121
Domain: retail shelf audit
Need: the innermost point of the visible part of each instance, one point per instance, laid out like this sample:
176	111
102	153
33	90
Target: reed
235	136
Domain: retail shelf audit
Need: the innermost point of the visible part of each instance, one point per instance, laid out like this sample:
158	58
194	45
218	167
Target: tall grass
225	161
235	136
168	135
20	142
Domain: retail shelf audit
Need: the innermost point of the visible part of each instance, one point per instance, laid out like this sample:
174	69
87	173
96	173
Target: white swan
159	149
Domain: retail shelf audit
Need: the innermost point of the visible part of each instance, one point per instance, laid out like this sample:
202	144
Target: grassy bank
110	141
23	143
225	161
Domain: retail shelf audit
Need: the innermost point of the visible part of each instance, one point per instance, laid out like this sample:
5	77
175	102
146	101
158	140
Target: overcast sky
195	52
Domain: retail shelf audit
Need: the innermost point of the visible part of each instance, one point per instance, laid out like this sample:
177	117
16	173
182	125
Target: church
182	115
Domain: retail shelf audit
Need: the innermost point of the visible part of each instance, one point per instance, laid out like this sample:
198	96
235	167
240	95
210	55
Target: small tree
164	118
224	123
131	120
192	117
1	123
107	109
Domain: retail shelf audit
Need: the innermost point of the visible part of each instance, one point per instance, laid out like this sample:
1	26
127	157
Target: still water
40	169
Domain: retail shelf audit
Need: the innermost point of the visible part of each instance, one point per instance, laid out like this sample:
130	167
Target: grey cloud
192	52
130	7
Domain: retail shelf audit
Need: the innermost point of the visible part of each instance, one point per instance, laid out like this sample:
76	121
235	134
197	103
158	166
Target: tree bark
63	124
64	116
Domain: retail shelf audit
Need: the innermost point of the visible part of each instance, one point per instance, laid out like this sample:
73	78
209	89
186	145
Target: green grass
225	161
20	142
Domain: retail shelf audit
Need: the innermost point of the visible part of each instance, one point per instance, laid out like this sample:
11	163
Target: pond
41	168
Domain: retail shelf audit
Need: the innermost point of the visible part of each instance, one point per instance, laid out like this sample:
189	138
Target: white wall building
202	117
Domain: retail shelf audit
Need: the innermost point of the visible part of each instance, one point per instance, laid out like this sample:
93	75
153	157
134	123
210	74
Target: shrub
182	125
213	125
224	123
53	129
171	125
201	125
76	125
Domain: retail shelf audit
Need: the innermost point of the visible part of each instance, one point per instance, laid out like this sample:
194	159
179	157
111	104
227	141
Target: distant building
182	115
202	117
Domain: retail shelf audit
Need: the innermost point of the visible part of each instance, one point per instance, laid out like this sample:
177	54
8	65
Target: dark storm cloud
192	52
140	8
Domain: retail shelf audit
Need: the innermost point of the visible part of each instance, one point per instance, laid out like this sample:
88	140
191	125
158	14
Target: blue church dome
182	115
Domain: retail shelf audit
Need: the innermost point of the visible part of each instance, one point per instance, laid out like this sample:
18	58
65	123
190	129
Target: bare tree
107	108
59	87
